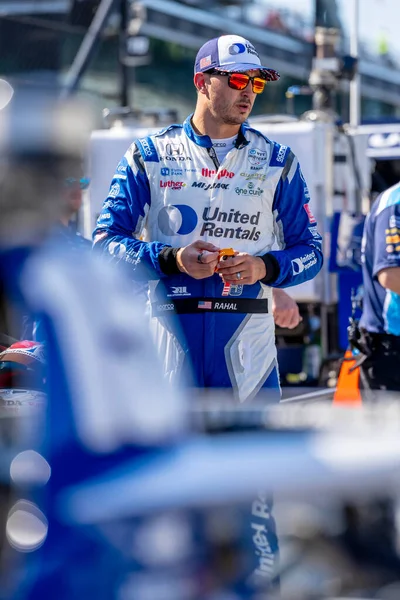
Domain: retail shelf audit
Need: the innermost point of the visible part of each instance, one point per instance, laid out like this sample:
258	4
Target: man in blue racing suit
182	195
379	333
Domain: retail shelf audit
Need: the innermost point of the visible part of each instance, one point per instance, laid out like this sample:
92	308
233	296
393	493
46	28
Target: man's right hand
198	259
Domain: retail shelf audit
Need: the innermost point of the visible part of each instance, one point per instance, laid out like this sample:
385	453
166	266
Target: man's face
230	106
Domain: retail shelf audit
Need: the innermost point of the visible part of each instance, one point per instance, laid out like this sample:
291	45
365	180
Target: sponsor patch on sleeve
311	217
278	157
147	149
100	236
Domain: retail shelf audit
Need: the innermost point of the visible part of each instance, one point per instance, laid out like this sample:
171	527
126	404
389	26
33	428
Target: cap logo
205	62
237	49
251	50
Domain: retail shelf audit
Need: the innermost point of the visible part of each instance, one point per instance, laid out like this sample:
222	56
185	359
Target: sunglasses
240	81
83	182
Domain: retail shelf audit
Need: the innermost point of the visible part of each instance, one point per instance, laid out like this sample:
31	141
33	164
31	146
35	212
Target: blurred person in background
285	310
64	232
181	196
379	333
375	342
67	226
107	402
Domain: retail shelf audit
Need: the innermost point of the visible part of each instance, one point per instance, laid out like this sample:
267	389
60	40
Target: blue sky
377	17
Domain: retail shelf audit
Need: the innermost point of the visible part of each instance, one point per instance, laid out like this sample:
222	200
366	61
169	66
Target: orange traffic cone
348	385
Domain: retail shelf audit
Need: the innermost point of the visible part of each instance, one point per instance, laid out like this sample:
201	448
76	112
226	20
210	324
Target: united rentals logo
239	48
261	536
303	263
180	219
251	50
213	219
236	49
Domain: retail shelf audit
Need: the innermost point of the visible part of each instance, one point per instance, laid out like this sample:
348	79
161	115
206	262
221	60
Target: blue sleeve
385	242
300	257
123	217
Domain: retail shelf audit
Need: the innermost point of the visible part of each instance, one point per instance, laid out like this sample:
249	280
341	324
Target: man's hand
284	309
242	268
198	260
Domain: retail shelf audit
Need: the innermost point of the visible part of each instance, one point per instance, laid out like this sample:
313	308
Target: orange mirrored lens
258	85
239	81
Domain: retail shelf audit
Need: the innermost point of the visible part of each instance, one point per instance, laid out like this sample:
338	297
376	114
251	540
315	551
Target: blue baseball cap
231	53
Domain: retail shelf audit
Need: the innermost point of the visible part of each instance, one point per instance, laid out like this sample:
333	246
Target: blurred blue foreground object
121	500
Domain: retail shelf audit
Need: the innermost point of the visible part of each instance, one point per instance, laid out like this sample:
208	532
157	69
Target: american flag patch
206	304
205	62
227	289
311	217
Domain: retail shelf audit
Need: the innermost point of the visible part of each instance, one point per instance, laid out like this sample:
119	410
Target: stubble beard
226	118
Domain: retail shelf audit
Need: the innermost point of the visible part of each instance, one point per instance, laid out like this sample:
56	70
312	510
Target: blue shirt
381	249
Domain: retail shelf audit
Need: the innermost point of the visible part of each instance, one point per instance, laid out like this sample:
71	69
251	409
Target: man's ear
200	82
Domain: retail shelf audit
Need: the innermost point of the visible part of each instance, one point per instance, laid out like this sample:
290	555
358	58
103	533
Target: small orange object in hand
224	253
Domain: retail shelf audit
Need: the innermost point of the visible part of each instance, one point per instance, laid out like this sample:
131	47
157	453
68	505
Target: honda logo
175	149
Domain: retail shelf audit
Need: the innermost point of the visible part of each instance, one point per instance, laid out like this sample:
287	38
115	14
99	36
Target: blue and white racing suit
170	190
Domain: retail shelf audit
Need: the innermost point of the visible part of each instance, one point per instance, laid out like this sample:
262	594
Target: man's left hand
242	268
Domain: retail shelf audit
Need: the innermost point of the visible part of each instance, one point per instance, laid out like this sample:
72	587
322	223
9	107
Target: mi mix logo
210	186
